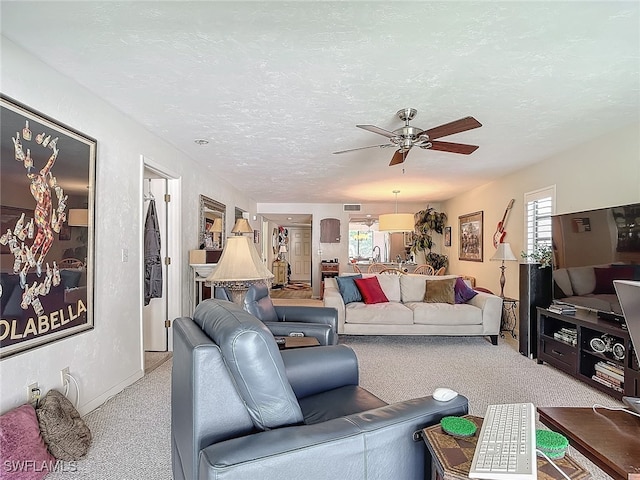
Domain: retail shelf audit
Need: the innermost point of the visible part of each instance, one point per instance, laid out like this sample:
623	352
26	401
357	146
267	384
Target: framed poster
470	242
46	243
447	236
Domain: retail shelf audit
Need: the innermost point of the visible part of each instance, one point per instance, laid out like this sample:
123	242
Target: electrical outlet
33	392
63	375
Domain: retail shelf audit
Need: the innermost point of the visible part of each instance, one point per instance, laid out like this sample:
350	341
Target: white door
300	254
154	333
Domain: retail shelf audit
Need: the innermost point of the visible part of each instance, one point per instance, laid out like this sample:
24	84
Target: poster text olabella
43	324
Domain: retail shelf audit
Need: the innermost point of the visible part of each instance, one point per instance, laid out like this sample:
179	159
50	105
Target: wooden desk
452	456
610	439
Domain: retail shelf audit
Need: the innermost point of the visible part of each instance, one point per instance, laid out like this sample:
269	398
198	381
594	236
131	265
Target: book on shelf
604	382
609	378
616	373
562	308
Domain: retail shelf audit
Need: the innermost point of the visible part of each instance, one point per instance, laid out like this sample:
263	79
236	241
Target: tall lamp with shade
240	265
282	250
503	253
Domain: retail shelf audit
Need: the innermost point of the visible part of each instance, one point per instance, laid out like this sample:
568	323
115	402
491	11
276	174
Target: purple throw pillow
462	292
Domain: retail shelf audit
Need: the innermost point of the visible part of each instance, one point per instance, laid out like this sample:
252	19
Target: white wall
601	173
109	357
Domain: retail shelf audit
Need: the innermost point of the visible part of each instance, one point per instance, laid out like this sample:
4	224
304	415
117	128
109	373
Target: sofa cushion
390	313
412	287
445	314
390	285
371	290
348	288
440	291
463	293
562	280
583	280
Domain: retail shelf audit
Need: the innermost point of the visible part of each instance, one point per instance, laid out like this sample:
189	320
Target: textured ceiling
277	87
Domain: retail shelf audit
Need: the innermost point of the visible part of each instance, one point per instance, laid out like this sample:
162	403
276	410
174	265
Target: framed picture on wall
470	241
447	236
47	178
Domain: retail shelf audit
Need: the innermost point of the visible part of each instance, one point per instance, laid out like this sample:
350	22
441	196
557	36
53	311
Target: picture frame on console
470	237
47	172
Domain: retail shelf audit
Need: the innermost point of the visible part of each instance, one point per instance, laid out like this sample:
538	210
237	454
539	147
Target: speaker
536	290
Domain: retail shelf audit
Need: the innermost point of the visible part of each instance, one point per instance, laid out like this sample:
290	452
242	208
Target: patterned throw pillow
371	290
348	289
440	291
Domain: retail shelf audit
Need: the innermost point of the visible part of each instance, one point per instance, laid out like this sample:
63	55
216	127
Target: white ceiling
277	87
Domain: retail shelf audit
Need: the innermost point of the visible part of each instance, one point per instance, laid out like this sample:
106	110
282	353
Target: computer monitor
629	296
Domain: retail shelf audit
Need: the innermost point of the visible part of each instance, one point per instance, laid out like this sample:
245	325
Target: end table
509	317
451	457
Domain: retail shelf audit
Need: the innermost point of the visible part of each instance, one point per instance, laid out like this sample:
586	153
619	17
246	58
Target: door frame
174	280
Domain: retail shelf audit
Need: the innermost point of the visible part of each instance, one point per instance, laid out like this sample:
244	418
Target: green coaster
458	427
553	444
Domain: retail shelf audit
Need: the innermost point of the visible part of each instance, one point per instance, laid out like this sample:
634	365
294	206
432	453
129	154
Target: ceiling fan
406	137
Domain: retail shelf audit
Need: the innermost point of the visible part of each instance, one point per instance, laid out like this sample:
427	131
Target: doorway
163	188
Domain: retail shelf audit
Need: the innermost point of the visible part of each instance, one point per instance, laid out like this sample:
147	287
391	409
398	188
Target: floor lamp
503	253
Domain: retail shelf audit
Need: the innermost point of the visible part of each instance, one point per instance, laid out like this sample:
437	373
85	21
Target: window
539	207
360	244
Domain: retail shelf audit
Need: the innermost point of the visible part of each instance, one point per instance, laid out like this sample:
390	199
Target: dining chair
391	271
425	269
376	268
441	271
356	269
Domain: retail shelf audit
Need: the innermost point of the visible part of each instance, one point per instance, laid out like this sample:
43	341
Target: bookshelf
608	363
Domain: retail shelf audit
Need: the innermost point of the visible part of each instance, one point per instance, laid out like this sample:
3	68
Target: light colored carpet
153	360
132	430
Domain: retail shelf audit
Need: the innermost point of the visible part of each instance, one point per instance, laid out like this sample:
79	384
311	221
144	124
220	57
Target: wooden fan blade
453	147
378	130
398	157
384	145
462	125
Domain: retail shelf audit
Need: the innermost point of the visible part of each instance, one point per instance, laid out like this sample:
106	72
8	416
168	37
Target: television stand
564	342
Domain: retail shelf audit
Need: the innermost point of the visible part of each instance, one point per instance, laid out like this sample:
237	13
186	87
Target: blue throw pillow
462	292
348	288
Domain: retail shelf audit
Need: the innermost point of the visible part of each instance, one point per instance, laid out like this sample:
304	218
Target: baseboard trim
100	400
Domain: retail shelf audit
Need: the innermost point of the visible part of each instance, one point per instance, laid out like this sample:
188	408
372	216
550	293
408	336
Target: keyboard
506	446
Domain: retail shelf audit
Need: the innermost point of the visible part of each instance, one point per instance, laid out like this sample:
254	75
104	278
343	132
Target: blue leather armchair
240	408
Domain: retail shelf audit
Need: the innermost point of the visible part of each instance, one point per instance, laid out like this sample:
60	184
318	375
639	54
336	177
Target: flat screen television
591	249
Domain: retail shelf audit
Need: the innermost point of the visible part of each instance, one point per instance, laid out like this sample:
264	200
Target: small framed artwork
470	242
447	236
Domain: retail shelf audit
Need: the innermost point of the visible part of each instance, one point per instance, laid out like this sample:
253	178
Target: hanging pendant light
396	222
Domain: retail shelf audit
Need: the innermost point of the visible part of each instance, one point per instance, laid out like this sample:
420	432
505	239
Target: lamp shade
216	226
242	226
396	222
78	217
282	249
504	252
239	263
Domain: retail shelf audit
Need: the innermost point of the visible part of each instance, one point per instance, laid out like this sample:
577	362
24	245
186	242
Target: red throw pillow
371	290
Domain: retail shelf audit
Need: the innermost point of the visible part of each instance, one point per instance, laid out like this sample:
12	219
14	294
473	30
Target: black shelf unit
579	359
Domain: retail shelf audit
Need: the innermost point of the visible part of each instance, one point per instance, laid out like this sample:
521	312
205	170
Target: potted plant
427	222
542	254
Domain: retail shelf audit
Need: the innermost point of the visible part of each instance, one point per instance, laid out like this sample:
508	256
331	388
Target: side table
451	457
509	318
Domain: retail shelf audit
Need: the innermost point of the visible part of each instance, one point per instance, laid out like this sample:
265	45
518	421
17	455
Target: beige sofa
407	314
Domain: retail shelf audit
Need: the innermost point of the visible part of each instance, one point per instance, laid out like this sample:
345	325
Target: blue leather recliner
241	408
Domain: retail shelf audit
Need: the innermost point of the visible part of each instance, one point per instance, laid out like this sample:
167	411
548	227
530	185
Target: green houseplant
427	222
542	254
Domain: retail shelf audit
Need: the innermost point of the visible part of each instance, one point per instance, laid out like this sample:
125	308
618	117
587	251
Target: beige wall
600	173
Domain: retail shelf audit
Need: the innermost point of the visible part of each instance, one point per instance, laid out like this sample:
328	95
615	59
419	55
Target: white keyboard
506	446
